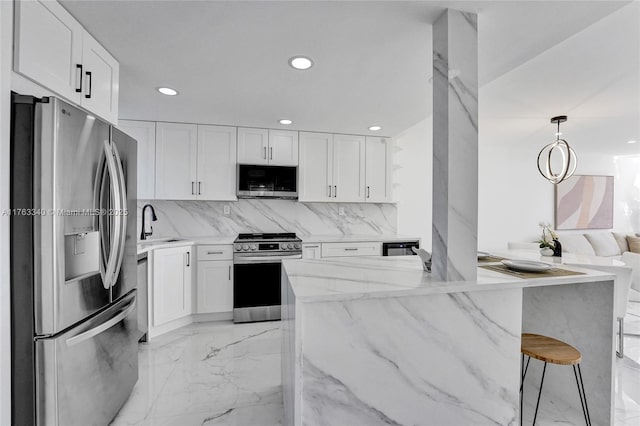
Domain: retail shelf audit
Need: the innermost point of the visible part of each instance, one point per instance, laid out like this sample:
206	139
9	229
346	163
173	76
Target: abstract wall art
584	202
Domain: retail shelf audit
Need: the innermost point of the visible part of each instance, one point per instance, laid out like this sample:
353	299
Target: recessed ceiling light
285	121
375	128
300	62
632	141
167	91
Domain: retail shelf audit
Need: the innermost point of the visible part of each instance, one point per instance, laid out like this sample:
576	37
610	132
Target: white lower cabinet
172	283
351	249
215	279
311	251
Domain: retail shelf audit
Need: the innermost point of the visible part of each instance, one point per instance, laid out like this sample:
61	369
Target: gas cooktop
279	236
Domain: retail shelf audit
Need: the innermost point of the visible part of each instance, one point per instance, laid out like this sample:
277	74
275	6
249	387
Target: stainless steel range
257	266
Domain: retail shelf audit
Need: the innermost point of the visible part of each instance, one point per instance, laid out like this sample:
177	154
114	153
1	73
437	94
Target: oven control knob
296	246
289	246
254	247
283	246
238	247
245	247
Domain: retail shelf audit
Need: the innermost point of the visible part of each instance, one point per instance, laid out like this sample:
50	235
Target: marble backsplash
191	218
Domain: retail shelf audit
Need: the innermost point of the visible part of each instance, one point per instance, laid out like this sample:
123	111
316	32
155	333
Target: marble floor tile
229	374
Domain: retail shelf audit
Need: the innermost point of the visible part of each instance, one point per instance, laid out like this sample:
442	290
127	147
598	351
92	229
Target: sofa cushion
603	243
576	243
621	239
634	244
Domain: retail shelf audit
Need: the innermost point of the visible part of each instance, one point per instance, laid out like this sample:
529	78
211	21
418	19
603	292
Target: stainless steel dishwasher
143	296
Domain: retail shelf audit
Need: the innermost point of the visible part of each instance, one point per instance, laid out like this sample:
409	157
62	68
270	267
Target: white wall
6	29
514	125
412	180
512	196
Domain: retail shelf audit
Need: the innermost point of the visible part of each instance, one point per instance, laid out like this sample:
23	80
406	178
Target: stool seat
548	349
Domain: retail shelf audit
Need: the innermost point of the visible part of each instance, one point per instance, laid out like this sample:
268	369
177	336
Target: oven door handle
263	259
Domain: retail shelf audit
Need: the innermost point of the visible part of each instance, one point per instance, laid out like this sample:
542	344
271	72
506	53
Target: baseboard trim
186	320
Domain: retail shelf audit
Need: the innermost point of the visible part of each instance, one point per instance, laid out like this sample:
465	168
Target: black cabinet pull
79	67
88	95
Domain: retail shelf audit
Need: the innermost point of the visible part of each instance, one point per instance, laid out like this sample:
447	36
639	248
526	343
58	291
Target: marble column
455	146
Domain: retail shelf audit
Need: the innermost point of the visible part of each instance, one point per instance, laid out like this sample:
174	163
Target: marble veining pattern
159	359
455	145
186	218
387	361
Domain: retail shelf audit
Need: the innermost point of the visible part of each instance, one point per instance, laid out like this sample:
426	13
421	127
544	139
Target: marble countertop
387	238
162	242
348	278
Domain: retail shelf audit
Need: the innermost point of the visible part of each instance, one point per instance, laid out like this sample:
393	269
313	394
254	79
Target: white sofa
595	243
603	244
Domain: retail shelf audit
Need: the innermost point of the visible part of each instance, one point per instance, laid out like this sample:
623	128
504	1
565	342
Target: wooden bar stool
548	349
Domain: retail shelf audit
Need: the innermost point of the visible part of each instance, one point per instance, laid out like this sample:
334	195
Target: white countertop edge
503	282
383	238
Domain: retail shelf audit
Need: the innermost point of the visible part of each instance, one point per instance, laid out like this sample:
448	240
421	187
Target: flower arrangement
548	236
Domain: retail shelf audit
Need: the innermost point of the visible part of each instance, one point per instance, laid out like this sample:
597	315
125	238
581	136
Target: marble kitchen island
375	340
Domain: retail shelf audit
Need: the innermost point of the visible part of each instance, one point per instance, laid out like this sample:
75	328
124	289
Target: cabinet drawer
215	252
351	249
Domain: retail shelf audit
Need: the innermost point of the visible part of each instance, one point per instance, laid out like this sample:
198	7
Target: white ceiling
228	59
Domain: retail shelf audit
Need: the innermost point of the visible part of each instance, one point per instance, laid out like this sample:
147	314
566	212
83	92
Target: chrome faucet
143	234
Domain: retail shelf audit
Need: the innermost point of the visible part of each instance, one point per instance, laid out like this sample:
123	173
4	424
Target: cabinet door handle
79	77
229	272
193	191
265	152
351	249
188	258
335	191
270	153
368	192
88	95
199	188
311	246
329	191
214	252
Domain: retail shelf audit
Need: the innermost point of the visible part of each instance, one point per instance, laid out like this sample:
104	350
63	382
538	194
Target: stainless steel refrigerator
73	265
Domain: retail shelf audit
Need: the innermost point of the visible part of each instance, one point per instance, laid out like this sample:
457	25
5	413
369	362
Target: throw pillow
634	244
603	244
621	239
576	243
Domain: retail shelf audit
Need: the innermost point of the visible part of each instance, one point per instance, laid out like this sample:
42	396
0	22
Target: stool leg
620	353
522	376
544	369
583	395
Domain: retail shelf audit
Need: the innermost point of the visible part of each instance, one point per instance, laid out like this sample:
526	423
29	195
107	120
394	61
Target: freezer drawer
85	375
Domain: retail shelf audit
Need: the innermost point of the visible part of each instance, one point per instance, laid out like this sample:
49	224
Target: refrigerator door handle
120	213
75	340
114	248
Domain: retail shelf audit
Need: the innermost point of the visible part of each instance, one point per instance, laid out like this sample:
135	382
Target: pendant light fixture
567	153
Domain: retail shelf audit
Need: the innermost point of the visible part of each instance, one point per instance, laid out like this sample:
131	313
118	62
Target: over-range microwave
256	181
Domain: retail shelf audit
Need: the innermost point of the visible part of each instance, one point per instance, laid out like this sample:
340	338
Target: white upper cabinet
344	168
314	174
176	161
253	145
53	49
379	170
101	75
348	168
48	46
283	147
216	170
267	146
144	132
